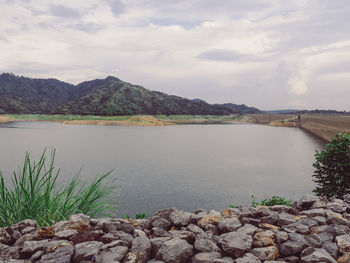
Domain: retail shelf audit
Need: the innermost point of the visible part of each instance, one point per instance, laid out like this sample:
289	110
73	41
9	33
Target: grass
35	194
137	216
274	200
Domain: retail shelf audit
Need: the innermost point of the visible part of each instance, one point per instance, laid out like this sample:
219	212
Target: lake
183	166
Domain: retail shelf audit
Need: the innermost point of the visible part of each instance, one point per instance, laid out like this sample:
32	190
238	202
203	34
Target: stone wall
313	230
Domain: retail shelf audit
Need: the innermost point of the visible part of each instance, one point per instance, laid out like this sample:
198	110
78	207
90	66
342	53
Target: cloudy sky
265	53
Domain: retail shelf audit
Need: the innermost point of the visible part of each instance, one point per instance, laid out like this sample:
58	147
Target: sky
271	54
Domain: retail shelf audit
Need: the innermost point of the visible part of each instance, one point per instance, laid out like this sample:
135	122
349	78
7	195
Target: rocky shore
313	230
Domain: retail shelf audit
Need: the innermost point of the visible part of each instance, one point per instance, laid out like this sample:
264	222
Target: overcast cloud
265	53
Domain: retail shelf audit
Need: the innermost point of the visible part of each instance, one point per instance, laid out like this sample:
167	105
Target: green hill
109	96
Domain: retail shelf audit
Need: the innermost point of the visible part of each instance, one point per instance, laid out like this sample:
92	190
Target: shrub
275	200
332	168
35	195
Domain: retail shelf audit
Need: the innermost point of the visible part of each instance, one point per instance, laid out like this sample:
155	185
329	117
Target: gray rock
183	234
247	229
24	224
15	234
337	230
30	247
290	248
223	260
247	258
7	252
195	229
86	250
36	256
315	255
60	255
198	215
160	232
236	243
308	222
281	236
161	223
300	239
307	201
314	212
314	240
266	253
206	245
80	218
320	219
175	251
156	243
135	257
66	234
180	218
343	243
270	219
331	248
207	257
112	252
285	219
19	242
229	224
324	236
141	244
291	259
126	237
297	228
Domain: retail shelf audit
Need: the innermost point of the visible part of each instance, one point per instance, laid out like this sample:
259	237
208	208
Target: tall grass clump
35	194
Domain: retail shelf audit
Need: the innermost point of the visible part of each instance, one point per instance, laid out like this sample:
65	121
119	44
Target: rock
51	246
306	201
229	224
343	243
183	234
15	234
80	218
247	229
160	232
135	257
337	230
180	218
60	255
156	243
236	243
65	234
265	239
111	252
315	255
25	224
69	225
5	237
206	245
314	240
195	229
300	239
86	235
30	247
7	252
314	212
281	236
291	259
113	224
345	258
175	251
86	250
141	244
36	256
161	223
207	257
223	260
247	258
19	242
213	218
198	215
290	248
266	253
306	221
331	248
285	219
270	219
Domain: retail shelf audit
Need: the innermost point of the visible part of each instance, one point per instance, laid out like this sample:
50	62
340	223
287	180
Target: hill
241	108
110	96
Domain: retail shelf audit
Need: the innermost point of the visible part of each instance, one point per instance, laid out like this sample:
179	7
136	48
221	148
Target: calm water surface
184	166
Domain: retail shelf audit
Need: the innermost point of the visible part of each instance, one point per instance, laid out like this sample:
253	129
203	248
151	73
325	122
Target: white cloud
219	52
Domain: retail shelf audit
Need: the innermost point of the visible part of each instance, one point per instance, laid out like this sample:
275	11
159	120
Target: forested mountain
109	96
241	108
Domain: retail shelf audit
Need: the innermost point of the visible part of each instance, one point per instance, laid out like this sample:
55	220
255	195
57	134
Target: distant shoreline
323	126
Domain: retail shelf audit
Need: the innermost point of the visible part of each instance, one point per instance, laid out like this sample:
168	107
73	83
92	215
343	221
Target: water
183	166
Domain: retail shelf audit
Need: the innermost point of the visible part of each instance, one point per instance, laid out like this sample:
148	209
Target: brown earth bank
313	230
325	126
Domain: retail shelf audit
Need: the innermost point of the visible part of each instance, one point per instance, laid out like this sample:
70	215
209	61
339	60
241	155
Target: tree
332	168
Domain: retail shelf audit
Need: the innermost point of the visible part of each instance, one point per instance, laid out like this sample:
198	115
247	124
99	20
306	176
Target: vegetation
241	108
35	194
137	216
332	168
274	200
105	97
